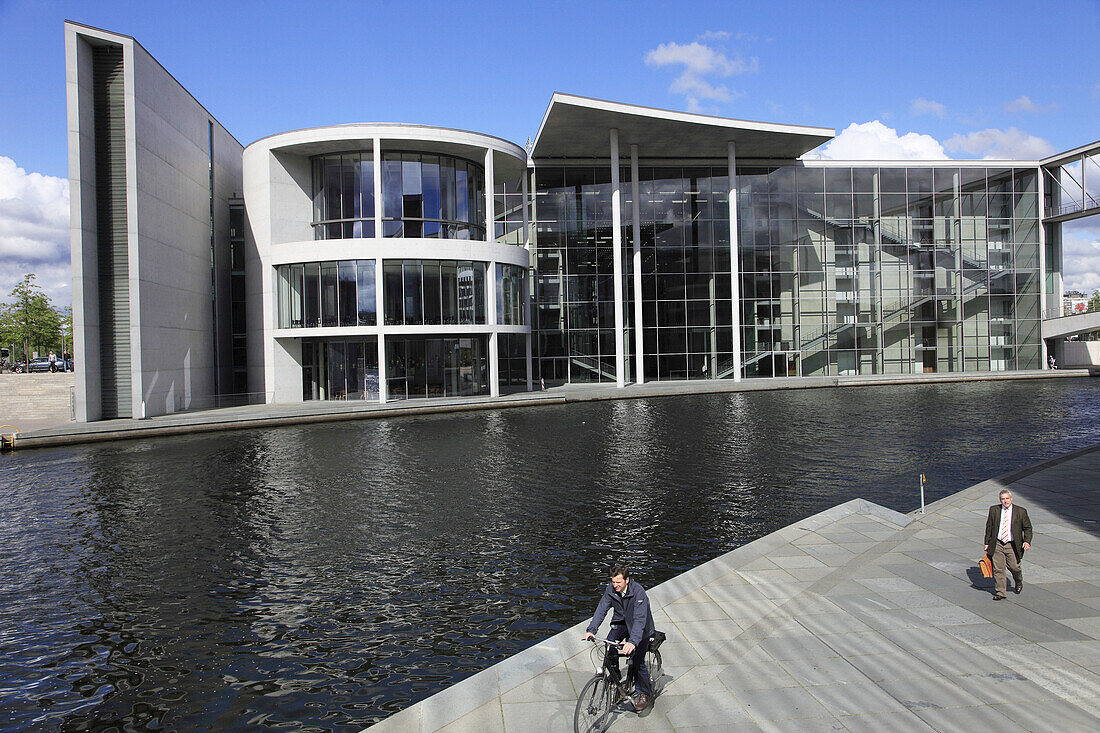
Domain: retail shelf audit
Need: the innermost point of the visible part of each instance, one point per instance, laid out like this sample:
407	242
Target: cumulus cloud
715	36
700	61
875	141
34	231
1081	256
994	144
922	106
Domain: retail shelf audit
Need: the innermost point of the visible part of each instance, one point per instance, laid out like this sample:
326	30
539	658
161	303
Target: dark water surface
321	577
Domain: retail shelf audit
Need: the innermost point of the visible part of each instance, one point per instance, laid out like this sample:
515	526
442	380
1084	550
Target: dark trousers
638	669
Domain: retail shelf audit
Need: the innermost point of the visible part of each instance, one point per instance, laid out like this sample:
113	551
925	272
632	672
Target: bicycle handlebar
608	642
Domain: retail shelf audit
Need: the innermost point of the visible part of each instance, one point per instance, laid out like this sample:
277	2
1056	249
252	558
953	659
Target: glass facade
508	208
340	369
316	294
433	196
423	195
418	367
511	295
434	292
843	270
343	196
866	270
685	273
574	298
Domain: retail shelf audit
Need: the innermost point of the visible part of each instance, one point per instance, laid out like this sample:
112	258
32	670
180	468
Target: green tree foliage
1094	301
29	320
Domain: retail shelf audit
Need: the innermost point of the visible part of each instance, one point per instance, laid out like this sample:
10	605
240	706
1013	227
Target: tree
29	319
1094	301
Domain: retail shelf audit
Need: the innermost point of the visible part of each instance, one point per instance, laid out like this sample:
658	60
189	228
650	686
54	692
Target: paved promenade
858	618
33	433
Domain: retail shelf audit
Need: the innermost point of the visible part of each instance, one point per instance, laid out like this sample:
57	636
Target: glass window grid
434	292
917	184
325	294
434	366
424	195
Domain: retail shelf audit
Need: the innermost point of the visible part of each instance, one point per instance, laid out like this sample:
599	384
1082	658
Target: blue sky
944	79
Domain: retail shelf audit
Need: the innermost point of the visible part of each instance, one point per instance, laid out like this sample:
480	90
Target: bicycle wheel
653	664
594	704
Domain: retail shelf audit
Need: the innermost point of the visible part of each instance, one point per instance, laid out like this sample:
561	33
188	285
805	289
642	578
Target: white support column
1044	309
1084	188
530	372
379	301
491	275
493	294
617	265
490	201
735	262
636	220
378	191
529	285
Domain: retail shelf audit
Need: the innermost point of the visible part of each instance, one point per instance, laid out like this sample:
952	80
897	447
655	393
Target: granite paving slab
857	618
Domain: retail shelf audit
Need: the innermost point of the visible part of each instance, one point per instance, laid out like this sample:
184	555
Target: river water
321	577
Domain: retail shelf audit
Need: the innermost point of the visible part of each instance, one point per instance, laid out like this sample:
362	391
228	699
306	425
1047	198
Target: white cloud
875	141
34	231
700	61
715	36
922	106
1021	104
1081	256
1024	104
1010	144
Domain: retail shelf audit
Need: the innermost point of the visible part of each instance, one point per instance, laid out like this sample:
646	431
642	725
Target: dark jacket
1021	529
631	608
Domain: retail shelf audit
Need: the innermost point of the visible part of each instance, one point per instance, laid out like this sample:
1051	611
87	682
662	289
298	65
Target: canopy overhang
579	127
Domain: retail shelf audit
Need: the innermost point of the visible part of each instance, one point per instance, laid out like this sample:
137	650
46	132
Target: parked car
42	364
38	364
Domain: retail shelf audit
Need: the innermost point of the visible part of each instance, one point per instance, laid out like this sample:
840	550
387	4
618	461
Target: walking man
1007	537
632	620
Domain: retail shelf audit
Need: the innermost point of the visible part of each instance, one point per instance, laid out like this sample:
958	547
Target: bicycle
602	694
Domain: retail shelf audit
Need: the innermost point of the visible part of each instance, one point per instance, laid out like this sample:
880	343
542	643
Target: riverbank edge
451	704
263	416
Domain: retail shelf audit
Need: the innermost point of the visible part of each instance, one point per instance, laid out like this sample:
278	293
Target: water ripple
321	577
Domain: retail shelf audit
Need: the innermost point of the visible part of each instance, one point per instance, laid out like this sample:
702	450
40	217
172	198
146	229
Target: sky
896	80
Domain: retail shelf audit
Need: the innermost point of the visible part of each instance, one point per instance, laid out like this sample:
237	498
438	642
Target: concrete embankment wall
32	401
1080	354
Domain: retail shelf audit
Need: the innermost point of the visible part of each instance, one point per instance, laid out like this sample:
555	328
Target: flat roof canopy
579	127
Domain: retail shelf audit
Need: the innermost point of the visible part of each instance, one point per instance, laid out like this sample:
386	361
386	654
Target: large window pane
366	294
433	313
391	293
449	292
311	295
413	294
349	315
329	314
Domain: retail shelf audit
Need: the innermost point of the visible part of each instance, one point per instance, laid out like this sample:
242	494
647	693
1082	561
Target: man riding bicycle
631	620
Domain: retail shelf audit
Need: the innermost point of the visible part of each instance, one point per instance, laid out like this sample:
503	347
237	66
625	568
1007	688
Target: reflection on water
324	576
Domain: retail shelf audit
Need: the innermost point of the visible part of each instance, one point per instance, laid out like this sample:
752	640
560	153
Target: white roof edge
1071	154
963	162
76	27
691	117
516	150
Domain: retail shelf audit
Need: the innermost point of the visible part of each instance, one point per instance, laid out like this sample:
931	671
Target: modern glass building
623	245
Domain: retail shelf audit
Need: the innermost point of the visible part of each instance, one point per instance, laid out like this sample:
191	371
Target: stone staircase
33	401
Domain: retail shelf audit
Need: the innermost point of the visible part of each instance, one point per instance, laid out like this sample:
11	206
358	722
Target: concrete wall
169	222
82	224
1074	354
